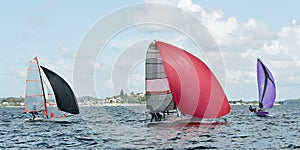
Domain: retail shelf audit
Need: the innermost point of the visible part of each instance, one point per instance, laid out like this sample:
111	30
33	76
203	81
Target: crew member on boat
33	113
156	116
252	109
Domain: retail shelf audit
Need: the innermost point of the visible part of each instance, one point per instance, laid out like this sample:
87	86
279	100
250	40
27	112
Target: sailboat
266	89
58	105
177	81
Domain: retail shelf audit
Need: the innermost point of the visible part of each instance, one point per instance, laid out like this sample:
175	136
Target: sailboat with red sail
40	102
178	81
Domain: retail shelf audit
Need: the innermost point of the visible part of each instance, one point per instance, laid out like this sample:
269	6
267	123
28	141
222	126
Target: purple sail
266	86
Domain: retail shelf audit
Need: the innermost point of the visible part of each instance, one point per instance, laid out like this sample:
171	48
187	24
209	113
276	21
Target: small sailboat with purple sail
266	90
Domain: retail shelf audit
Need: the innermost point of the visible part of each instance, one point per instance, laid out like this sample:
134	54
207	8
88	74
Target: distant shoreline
113	104
128	104
11	106
18	102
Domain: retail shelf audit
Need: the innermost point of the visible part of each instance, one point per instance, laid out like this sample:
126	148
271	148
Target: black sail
65	98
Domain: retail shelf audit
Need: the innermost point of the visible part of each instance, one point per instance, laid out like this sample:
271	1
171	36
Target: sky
57	30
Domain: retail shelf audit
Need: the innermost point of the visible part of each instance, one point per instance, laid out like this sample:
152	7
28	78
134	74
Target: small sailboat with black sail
43	104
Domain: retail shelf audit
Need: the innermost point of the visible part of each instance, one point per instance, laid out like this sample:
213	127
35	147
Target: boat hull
184	120
262	113
57	120
38	119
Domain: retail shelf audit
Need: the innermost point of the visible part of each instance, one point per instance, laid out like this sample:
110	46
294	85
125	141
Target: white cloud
188	5
289	38
36	21
22	73
28	37
65	50
240	42
250	53
167	2
44	62
273	48
229	33
294	79
136	82
95	64
240	76
233	76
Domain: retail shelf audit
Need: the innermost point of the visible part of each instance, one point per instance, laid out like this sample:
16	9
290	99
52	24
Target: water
126	127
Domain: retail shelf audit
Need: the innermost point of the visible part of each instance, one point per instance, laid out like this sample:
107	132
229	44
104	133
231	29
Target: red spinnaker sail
195	89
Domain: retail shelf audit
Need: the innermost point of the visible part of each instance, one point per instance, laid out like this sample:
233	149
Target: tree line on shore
123	97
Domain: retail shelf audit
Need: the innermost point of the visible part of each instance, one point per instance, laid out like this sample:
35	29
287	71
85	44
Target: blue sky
53	30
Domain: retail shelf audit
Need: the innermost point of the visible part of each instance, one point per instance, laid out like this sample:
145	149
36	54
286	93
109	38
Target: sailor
156	116
159	116
52	114
261	105
252	109
32	115
153	116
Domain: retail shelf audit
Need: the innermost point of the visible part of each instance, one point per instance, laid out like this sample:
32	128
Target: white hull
38	119
188	120
58	120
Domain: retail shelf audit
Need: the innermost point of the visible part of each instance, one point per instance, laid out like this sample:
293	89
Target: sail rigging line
267	77
49	93
45	104
172	101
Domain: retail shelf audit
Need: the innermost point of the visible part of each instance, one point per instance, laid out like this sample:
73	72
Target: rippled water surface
127	127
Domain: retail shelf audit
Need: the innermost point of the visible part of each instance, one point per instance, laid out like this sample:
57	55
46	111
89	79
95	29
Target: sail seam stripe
30	69
33	95
33	81
154	78
266	81
154	63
